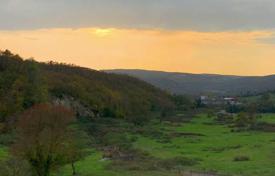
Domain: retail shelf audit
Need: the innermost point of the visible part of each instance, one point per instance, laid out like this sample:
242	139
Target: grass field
3	153
213	145
218	148
93	165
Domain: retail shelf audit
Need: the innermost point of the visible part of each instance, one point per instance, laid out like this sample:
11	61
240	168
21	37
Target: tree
199	103
7	53
43	133
265	104
35	89
183	102
75	147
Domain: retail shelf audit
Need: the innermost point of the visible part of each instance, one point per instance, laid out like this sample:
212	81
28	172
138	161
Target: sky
196	36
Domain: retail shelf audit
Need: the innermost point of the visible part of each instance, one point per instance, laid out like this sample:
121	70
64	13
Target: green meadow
215	148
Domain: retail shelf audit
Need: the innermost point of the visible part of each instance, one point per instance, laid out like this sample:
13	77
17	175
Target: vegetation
197	84
35	122
43	135
25	83
202	145
61	120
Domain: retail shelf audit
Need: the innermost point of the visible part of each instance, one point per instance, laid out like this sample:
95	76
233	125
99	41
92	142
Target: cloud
267	40
200	15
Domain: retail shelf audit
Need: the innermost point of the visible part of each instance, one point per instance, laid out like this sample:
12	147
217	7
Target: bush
139	120
246	121
7	139
121	141
173	163
241	158
15	167
224	118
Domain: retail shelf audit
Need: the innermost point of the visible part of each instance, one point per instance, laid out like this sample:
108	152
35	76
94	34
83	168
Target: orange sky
239	53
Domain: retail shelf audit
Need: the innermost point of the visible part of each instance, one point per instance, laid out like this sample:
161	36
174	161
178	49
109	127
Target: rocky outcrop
76	106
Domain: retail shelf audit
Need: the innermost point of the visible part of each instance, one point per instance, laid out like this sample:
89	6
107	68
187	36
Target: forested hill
24	83
196	84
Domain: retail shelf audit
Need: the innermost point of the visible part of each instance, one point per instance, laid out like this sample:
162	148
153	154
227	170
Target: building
207	100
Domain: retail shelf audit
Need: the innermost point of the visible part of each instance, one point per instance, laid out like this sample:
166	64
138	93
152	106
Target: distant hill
27	82
195	84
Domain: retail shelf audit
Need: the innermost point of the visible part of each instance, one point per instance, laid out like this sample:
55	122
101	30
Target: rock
76	106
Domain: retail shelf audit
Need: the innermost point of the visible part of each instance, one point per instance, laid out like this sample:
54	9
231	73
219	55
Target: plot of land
213	146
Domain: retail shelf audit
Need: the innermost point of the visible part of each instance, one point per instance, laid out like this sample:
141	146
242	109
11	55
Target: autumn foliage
43	133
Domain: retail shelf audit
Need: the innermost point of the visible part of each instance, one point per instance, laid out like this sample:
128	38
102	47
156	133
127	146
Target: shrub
7	139
138	120
246	120
122	141
15	166
173	163
241	158
224	118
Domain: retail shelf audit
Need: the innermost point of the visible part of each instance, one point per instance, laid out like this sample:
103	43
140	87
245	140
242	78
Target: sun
103	32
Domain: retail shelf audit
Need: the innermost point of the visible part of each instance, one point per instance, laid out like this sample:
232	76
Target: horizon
227	37
137	69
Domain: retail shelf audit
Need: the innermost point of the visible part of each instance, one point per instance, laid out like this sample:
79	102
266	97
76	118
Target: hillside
27	82
184	83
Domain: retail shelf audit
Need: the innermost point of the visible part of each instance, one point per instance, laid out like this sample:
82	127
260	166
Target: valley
198	84
92	123
205	146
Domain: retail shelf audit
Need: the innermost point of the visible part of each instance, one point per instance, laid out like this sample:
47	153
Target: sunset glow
244	53
102	32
